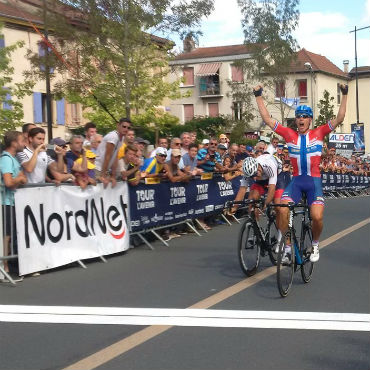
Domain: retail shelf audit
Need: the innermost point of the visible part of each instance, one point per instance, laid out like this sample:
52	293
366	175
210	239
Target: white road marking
185	317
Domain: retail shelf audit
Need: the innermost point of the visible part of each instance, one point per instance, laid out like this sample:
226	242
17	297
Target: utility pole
47	78
356	72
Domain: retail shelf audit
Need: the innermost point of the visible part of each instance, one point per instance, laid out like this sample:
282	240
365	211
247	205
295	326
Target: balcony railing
209	89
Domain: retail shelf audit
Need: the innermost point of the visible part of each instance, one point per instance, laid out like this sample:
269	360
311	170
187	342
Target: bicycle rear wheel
272	241
248	248
285	270
305	246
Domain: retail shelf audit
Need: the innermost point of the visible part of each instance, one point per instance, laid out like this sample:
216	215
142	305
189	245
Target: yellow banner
207	176
152	180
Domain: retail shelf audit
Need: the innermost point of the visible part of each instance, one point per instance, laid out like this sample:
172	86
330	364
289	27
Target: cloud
328	34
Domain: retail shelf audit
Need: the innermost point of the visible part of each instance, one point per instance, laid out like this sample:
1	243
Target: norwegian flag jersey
304	149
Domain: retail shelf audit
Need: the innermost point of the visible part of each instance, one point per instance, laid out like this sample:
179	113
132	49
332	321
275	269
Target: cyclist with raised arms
305	147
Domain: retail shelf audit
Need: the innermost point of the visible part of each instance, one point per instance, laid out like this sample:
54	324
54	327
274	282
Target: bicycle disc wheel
285	269
248	248
272	242
306	245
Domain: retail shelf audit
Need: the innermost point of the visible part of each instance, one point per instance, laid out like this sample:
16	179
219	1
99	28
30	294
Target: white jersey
38	174
271	169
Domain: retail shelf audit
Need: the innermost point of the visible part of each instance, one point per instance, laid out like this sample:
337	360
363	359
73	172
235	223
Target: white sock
315	242
288	249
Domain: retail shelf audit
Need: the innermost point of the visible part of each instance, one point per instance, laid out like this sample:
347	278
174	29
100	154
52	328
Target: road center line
116	349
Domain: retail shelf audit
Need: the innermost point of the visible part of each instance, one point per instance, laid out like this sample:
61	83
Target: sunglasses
124	126
177	143
162	155
212	143
302	116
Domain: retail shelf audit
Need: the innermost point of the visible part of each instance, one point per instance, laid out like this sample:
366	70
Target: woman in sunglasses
305	147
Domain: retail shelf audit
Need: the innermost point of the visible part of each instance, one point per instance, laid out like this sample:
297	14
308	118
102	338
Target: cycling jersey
304	149
270	169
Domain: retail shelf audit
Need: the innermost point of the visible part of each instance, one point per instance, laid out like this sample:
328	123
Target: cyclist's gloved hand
343	89
257	91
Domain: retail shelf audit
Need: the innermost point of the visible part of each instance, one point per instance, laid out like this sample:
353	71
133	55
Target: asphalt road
184	274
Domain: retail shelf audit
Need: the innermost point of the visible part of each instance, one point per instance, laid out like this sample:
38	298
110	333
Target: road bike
254	240
300	249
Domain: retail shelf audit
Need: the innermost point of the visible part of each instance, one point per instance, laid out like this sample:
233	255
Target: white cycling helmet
250	167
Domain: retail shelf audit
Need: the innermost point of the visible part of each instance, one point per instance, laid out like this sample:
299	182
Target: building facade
208	72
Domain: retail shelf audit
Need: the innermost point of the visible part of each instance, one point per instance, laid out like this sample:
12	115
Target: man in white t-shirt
106	161
34	159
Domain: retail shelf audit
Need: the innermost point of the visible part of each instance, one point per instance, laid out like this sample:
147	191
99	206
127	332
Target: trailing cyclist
305	147
267	178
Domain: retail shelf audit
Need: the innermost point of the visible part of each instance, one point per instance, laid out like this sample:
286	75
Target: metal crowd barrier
9	250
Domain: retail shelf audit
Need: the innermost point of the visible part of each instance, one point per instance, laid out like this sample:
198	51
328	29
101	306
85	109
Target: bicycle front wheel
248	248
306	246
285	266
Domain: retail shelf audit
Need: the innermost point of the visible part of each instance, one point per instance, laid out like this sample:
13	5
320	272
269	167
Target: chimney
189	44
345	65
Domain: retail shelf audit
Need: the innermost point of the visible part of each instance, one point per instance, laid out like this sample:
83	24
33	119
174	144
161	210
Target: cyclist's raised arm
342	108
257	91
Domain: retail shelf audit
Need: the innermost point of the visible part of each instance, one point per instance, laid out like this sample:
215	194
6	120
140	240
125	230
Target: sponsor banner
332	181
359	133
168	203
60	225
343	143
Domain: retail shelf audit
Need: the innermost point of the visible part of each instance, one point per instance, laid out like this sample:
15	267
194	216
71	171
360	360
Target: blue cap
248	148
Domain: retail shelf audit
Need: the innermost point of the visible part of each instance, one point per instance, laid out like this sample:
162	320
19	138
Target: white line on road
185	317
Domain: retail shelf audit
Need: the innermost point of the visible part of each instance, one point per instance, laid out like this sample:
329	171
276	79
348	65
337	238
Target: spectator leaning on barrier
172	169
106	161
34	159
153	167
12	177
222	151
75	151
95	141
90	130
190	161
129	165
53	175
209	159
229	172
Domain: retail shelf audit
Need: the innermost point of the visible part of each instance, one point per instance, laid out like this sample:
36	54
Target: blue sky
323	28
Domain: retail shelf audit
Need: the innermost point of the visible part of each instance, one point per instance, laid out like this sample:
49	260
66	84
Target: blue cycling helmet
304	109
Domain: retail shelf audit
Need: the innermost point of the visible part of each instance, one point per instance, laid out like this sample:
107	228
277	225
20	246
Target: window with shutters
188	112
213	109
237	74
188	73
302	89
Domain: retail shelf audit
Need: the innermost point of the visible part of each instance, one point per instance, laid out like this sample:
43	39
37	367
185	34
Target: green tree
268	26
118	62
326	109
11	93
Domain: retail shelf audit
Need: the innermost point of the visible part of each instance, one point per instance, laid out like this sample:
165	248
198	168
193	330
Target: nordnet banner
169	203
60	225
